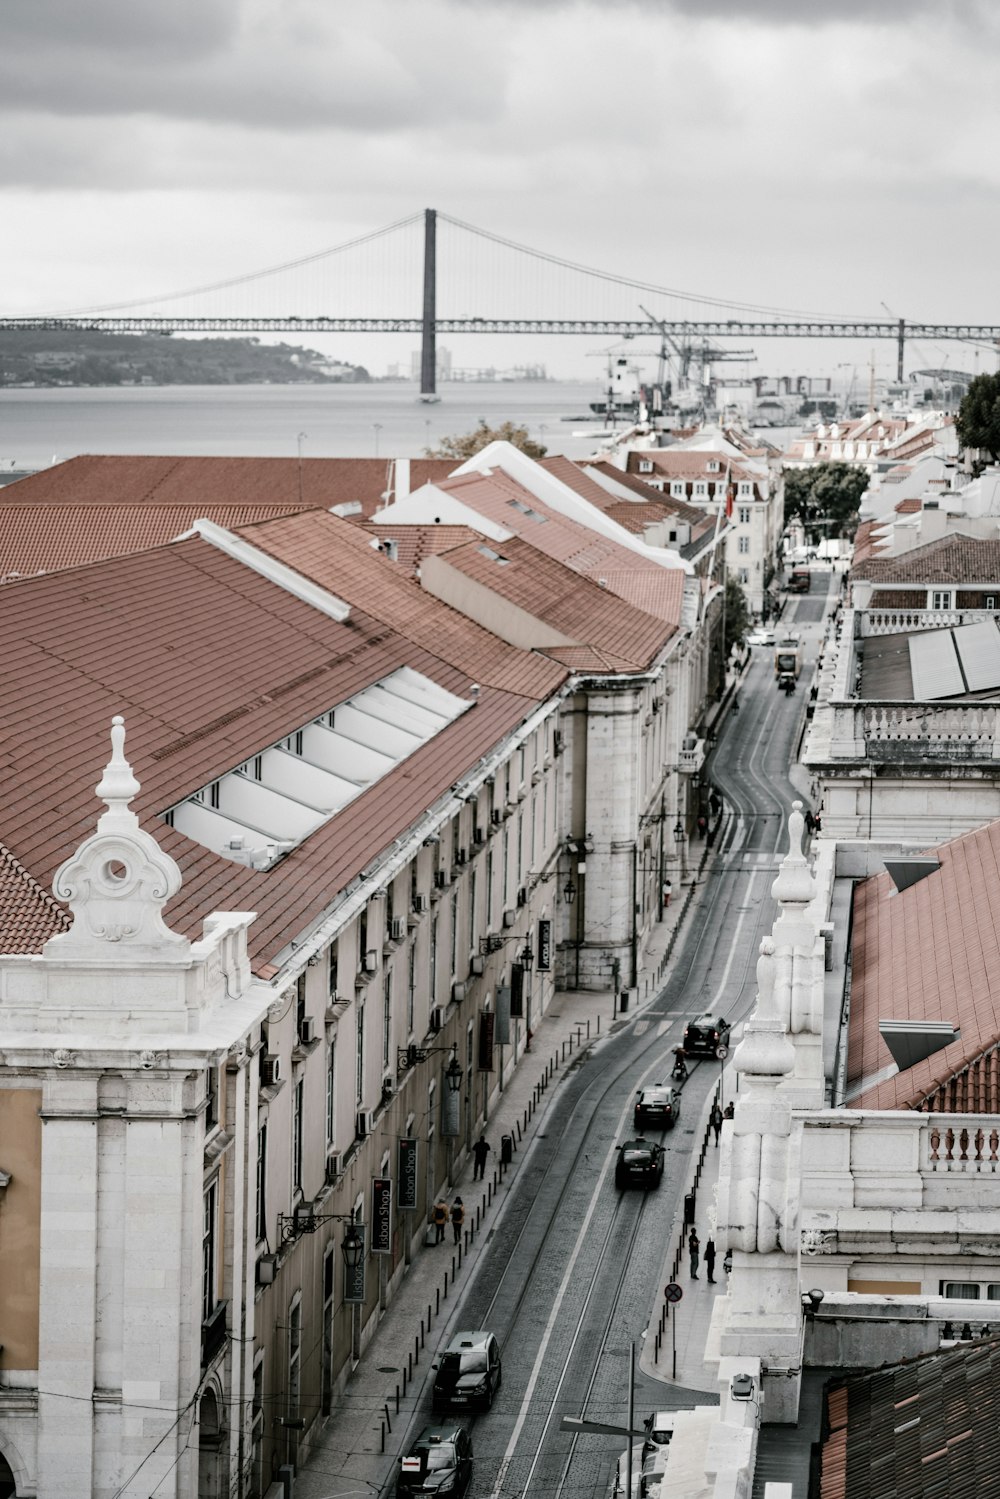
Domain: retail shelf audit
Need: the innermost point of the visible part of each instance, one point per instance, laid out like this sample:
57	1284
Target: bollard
518	1132
588	1030
387	1421
421	1332
383	1437
453	1269
437	1300
397	1400
404	1383
409	1364
428	1316
416	1350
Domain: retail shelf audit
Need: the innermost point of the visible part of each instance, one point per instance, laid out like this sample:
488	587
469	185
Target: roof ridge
10	859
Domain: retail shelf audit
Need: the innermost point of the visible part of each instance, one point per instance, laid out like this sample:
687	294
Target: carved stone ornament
818	1241
765	1050
63	1058
148	1060
118	881
238	1052
794	885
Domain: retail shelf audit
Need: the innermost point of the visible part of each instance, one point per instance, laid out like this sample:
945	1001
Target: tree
471	443
978	419
737	616
828	493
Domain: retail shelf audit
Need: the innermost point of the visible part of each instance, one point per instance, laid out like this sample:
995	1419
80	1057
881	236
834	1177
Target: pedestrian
666	893
715	1120
457	1218
715	804
694	1250
729	1112
480	1151
439	1218
710	1260
810	821
727	1263
702	825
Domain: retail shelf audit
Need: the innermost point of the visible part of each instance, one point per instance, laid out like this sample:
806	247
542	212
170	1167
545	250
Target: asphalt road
569	1275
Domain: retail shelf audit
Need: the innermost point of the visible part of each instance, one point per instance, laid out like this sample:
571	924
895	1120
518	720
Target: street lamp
569	892
678	831
527	957
453	1075
352	1246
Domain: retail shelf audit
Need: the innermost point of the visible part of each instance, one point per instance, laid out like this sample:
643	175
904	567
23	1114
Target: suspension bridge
518	289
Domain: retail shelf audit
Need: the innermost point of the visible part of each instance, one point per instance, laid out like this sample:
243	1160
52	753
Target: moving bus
800	580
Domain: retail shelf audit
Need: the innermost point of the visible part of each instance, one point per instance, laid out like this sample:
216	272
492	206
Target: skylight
272	801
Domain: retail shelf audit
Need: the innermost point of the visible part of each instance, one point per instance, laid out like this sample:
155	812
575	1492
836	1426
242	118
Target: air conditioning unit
509	917
479	836
476	966
397	928
536	776
307	1030
458	992
267	1269
334	1166
420	903
522	896
440	879
363	1123
496	817
435	1018
557	742
370	962
270	1071
460	856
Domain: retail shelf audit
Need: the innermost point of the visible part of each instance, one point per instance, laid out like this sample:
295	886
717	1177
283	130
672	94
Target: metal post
634	967
428	344
631	1413
900	348
673	1339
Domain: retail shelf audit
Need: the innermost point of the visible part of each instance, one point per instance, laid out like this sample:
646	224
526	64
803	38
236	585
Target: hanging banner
486	1019
516	990
354	1276
406	1170
501	1030
544	946
381	1215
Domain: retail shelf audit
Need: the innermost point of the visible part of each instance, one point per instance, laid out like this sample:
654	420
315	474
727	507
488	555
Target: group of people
456	1213
696	1254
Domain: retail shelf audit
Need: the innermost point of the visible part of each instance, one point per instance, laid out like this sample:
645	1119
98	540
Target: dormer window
713	466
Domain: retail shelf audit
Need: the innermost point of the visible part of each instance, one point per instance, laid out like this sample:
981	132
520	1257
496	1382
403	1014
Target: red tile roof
28	914
617	636
950	559
691	463
931	952
94	507
414	543
209	661
922	1429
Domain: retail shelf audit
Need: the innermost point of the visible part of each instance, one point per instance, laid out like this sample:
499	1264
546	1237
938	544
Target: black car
704	1036
439	1462
468	1372
658	1104
640	1164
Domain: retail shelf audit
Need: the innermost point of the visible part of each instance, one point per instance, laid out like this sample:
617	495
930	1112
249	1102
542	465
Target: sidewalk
356	1455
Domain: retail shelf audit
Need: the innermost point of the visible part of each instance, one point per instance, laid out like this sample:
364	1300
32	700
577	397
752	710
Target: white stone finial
765	1051
118	881
794	885
118	785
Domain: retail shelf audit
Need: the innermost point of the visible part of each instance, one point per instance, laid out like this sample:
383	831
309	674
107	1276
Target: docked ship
626	398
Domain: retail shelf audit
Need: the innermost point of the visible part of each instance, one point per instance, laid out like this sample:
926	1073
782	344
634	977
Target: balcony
692	756
894	732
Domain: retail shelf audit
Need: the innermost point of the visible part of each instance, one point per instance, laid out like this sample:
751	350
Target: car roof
438	1433
639	1143
708	1020
468	1342
655	1088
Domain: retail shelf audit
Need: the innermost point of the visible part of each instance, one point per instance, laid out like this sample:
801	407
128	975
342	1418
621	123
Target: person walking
715	1120
439	1218
694	1250
480	1151
710	1260
457	1218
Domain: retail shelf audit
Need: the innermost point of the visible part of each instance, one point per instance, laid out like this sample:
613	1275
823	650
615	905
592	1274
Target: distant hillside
29	357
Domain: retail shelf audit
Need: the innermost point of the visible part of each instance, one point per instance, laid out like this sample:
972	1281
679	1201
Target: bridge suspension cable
648	286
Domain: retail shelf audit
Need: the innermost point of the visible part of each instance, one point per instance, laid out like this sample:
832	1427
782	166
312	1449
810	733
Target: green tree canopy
828	492
471	443
737	616
978	420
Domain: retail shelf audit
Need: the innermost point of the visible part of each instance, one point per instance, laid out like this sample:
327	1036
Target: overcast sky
788	153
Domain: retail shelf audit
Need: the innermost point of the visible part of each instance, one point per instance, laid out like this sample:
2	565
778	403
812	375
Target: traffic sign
673	1292
721	1053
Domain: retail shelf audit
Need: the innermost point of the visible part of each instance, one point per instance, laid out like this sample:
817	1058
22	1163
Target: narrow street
569	1276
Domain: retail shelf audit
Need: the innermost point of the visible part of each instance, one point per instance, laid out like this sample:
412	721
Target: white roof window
285	791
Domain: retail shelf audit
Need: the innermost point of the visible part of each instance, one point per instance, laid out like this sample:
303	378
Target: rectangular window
744	545
677	490
519	867
300	1003
411	987
942	598
362	937
743	575
960	1290
990	601
744	515
454	936
505	875
297	1099
489	890
208	1233
262	1180
294	1357
331	1094
386	1018
332	972
701	488
211	1098
745	487
213	794
434	960
473	926
257	1484
359	1077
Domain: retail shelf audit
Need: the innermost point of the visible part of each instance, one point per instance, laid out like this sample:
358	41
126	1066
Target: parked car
704	1036
760	637
660	1429
640	1164
657	1104
468	1371
439	1462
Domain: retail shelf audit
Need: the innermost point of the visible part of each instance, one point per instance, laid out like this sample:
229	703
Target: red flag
730	497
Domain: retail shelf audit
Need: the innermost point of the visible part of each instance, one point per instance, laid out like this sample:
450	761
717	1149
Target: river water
336	421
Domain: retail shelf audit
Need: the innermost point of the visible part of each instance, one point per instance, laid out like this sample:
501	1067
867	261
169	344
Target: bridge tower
428	344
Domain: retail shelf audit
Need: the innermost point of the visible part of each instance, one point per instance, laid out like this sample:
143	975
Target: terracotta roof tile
950	559
28	914
579	608
414	543
931	952
209	662
693	514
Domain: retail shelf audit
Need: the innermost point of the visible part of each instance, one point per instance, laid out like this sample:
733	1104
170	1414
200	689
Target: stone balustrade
691	760
896	621
915	731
